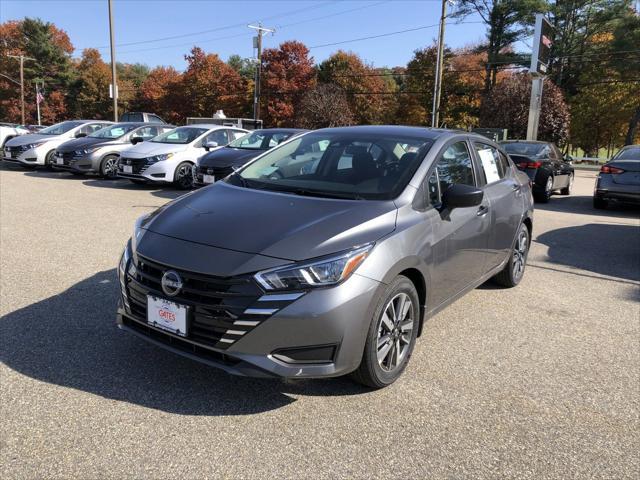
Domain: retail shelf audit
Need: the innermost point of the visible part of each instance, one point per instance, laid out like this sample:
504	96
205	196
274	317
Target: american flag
39	97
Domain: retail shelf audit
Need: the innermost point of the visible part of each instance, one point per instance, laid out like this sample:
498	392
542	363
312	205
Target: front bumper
89	163
159	172
27	157
334	320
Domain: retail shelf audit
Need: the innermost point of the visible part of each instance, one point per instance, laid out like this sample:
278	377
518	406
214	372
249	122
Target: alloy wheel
548	187
109	167
395	329
184	176
520	254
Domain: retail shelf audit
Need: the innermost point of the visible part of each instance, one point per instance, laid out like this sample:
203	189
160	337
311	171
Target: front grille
15	152
139	164
69	157
221	310
218	172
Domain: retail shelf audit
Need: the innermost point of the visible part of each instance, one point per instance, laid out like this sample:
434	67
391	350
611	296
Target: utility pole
22	58
257	43
437	87
113	65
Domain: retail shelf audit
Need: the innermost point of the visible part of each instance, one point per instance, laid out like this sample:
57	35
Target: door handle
483	210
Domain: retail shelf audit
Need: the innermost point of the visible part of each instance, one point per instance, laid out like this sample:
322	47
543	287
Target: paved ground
535	382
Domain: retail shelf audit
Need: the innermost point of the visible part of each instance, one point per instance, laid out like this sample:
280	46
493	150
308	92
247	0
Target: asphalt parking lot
539	381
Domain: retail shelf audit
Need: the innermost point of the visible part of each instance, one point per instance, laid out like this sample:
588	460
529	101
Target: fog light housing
314	354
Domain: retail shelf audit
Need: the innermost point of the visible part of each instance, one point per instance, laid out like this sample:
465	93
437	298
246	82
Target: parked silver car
619	178
326	255
99	152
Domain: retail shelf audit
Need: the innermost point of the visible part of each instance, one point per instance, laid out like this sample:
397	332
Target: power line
244	34
388	34
217	29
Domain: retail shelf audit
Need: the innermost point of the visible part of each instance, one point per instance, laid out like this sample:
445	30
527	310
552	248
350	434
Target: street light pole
22	58
114	87
437	87
256	94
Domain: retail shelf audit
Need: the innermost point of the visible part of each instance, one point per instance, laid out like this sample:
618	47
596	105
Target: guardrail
590	160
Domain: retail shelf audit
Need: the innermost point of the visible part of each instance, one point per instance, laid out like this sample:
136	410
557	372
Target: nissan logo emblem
171	283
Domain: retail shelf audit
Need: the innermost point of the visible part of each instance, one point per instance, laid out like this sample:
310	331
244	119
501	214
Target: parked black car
545	165
216	165
619	179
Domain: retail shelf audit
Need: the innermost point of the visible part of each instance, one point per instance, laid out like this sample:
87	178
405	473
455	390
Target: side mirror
461	196
80	135
209	144
135	140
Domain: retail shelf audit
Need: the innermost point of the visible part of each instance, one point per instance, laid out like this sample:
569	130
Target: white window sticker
490	165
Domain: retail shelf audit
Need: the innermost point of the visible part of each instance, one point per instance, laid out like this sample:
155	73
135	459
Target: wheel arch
417	278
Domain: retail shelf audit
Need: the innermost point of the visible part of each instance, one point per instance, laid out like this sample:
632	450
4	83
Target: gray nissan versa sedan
325	255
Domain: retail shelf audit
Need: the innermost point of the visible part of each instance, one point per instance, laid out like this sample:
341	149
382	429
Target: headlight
32	145
160	158
320	273
138	232
86	151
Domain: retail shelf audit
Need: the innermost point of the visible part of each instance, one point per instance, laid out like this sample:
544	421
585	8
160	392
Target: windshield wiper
324	194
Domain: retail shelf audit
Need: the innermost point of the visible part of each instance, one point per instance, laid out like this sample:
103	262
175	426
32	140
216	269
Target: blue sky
220	26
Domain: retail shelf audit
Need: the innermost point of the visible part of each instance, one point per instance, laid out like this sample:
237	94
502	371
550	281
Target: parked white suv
37	149
168	158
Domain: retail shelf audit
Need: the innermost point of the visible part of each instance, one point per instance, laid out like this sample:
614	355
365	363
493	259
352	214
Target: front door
460	236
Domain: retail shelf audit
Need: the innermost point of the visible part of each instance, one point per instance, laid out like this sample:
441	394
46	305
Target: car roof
210	126
426	133
280	130
525	141
146	124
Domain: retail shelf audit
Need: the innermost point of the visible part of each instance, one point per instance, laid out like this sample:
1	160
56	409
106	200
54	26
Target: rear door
506	198
460	237
558	165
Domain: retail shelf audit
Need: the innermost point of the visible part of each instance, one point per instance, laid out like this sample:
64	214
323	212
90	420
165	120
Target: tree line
591	96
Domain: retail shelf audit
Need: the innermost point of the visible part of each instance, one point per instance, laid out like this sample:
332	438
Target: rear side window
494	164
454	167
155	119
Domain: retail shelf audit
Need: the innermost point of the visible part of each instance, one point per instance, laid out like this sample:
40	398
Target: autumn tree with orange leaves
287	74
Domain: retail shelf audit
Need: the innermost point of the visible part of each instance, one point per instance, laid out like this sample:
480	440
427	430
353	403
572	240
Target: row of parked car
143	152
144	149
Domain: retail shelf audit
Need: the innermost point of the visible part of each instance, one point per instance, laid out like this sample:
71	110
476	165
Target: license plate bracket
167	315
127	169
208	178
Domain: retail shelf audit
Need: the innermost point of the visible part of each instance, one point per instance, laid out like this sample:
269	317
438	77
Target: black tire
138	182
371	372
48	160
512	274
600	203
109	166
545	195
567	190
183	176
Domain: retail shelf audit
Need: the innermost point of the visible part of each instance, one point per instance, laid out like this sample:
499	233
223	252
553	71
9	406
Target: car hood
30	138
272	224
228	156
151	148
84	142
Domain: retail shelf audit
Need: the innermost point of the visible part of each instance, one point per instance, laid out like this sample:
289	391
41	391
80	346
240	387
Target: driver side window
453	167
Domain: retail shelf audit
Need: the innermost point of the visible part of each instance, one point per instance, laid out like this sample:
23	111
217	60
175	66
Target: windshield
528	149
632	153
113	131
180	135
60	128
337	165
260	140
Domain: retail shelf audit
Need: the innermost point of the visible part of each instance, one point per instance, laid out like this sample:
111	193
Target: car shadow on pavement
583	204
71	340
167	192
605	249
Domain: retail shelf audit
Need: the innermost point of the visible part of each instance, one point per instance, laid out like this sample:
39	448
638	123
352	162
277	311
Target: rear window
632	153
528	149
